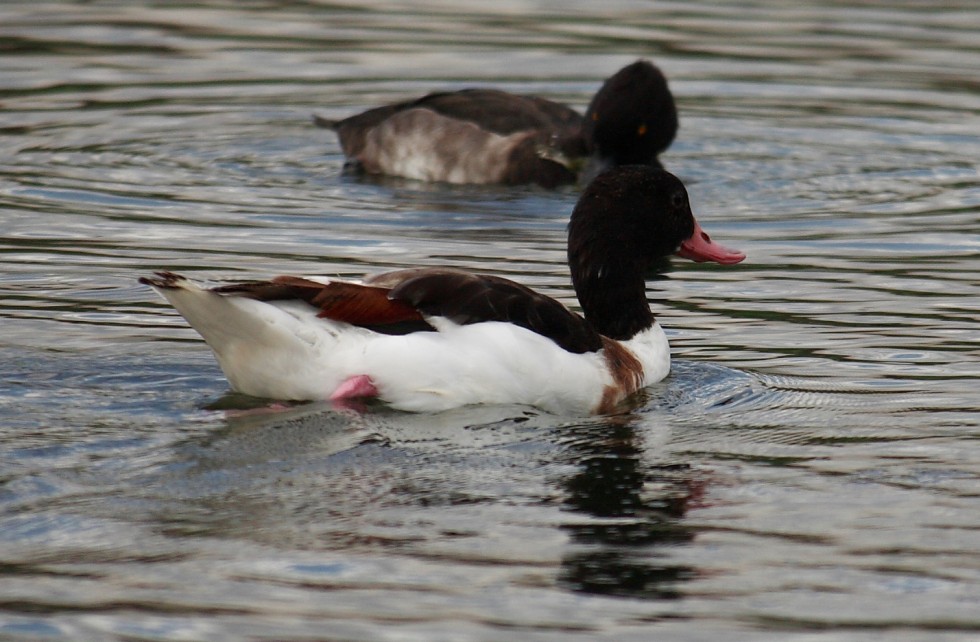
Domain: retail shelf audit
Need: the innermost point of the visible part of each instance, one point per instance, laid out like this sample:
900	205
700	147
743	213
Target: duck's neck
613	296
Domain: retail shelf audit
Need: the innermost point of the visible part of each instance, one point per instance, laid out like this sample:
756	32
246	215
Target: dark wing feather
397	302
362	305
278	289
492	110
466	298
502	113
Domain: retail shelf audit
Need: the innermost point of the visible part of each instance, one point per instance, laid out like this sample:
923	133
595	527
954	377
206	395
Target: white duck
430	339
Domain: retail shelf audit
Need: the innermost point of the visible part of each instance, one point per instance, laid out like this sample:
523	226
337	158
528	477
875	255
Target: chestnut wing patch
397	302
469	298
362	305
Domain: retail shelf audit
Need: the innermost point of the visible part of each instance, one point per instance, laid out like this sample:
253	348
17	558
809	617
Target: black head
630	216
627	218
633	116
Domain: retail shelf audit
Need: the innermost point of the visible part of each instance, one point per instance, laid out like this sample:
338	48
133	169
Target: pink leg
354	387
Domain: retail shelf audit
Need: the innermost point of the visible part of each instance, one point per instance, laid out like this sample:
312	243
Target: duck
429	339
489	136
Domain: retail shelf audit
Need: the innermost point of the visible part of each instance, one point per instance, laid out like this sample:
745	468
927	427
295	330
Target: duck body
491	136
282	349
431	339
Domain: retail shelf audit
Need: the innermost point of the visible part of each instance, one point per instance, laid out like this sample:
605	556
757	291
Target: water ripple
807	469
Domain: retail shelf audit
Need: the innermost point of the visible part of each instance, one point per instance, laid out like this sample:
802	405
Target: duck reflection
635	509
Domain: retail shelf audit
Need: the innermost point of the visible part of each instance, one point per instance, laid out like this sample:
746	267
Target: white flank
281	350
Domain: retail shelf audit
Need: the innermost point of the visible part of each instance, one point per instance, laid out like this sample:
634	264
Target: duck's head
631	119
639	214
628	218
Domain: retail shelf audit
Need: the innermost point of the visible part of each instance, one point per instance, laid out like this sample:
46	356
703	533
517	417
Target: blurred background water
809	471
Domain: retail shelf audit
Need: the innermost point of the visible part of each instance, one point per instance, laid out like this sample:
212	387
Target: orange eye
642	129
595	115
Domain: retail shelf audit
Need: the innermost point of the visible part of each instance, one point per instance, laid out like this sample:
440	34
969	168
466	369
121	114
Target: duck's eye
641	130
678	199
595	116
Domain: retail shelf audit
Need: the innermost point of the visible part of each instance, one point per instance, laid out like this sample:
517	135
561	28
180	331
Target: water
809	471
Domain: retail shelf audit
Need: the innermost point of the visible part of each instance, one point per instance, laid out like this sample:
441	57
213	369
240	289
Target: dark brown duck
491	136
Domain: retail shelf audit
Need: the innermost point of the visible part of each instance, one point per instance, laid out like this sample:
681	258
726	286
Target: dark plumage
466	298
491	136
